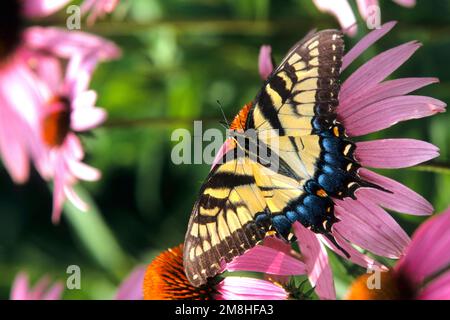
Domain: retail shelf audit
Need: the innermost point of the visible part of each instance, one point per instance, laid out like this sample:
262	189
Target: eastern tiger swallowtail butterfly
243	200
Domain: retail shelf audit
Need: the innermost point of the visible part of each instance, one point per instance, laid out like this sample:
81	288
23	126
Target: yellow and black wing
242	198
305	85
232	213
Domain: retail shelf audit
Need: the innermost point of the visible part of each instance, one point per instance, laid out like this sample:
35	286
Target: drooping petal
342	11
73	197
355	256
131	287
370	227
42	8
438	289
58	189
376	70
381	91
267	260
316	260
241	288
429	250
394	153
365	43
74	146
83	171
13	146
265	65
383	114
19	290
400	198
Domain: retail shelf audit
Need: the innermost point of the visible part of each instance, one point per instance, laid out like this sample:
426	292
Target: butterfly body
292	124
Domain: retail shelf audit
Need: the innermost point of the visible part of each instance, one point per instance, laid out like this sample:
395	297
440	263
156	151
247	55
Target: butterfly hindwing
222	223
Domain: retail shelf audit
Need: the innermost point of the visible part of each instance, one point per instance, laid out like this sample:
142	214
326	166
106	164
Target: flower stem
435	167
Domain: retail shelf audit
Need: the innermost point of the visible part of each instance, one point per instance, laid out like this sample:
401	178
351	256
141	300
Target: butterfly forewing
306	80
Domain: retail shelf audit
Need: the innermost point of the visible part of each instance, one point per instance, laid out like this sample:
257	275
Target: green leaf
95	236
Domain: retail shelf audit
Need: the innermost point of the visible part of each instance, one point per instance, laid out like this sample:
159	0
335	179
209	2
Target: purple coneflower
368	104
423	273
66	107
39	110
165	278
16	105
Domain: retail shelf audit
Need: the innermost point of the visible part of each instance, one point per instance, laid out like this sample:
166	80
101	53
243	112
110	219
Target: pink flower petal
58	190
73	197
370	227
406	3
365	43
342	11
355	256
394	153
42	8
429	249
98	8
49	69
85	99
381	91
84	119
13	146
267	260
131	287
54	292
316	260
226	146
241	288
402	199
383	114
438	289
19	290
83	171
265	65
74	145
38	291
79	74
364	6
65	44
376	70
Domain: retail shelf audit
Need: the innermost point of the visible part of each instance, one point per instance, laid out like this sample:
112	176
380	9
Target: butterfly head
239	121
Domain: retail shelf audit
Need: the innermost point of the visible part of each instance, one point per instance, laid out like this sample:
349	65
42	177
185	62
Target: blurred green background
179	58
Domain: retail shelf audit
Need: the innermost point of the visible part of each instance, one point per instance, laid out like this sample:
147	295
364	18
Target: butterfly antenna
223	113
223	124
